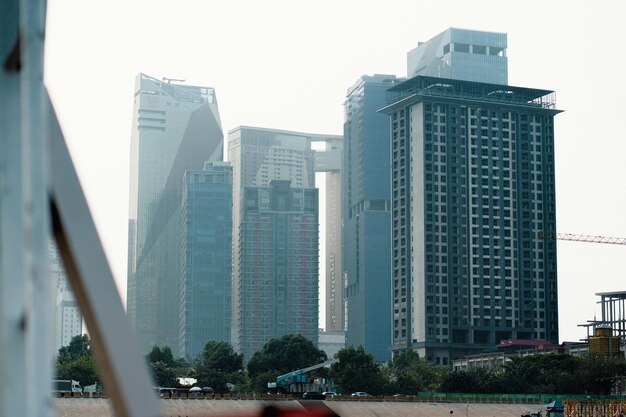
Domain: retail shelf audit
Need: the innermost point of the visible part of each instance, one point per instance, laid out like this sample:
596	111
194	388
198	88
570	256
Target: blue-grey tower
472	186
206	257
277	286
462	54
175	128
366	216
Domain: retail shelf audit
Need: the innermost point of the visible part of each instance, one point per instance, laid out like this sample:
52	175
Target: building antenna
169	80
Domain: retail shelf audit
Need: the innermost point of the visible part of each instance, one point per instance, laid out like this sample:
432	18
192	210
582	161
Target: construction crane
609	240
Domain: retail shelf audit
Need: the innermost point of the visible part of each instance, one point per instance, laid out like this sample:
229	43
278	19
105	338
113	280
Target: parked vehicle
329	394
64	386
313	395
360	394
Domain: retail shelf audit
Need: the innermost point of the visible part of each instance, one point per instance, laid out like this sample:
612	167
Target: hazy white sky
287	65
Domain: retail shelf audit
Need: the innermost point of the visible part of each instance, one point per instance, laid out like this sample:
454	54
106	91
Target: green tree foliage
76	362
161	363
220	356
218	365
356	371
539	374
474	380
561	374
411	374
163	355
285	354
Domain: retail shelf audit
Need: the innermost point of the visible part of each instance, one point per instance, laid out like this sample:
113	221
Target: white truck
64	386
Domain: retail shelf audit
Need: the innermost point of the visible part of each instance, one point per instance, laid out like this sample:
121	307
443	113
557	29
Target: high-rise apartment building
206	257
462	54
261	155
176	128
68	321
277	272
472	185
366	215
328	161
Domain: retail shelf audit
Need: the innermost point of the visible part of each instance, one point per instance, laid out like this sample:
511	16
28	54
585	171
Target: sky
287	65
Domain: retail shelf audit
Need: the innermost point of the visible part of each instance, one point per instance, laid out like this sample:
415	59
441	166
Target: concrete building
461	54
496	359
68	321
366	214
328	161
472	185
261	155
206	258
331	342
175	128
277	269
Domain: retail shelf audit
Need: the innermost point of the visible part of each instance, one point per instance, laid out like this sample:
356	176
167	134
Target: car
360	394
313	395
329	394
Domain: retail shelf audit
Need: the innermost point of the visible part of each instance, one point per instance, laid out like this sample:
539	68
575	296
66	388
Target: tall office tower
206	257
473	184
366	214
328	161
176	128
461	54
68	321
277	289
261	155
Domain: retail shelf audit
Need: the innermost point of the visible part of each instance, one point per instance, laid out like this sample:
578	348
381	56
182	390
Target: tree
76	362
163	355
78	347
411	374
285	354
356	371
218	365
161	363
220	356
163	375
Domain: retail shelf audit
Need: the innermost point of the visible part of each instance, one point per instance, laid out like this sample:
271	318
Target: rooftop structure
461	54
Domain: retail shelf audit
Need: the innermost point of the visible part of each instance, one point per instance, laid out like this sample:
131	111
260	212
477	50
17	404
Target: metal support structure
121	364
13	396
613	307
38	184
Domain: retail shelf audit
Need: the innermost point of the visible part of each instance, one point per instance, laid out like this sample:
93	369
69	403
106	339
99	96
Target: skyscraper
472	185
261	155
68	321
366	215
277	272
462	54
206	257
176	128
328	161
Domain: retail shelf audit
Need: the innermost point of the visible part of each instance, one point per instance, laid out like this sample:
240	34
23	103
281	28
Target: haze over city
287	65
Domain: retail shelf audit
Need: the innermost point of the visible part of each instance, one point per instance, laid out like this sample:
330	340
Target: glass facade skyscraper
472	185
175	128
206	258
462	54
277	285
260	156
366	214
